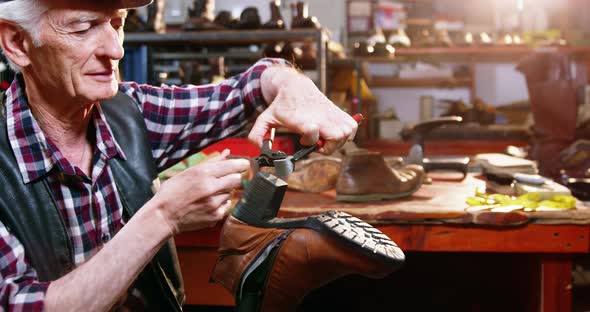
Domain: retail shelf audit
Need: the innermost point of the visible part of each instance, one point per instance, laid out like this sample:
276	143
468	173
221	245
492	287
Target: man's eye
83	29
82	32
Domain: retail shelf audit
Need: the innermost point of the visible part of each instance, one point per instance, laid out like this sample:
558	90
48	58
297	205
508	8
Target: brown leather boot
225	19
301	18
201	16
249	19
155	21
550	80
270	264
276	19
365	176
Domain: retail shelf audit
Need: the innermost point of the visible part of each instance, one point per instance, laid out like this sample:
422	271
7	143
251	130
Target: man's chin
103	91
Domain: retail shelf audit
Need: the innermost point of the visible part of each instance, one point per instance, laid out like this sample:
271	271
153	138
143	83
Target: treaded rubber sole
361	235
377	196
352	230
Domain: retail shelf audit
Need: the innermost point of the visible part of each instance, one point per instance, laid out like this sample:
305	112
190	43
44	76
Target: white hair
26	14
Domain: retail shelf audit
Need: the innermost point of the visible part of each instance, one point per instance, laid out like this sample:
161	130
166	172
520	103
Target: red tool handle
359	118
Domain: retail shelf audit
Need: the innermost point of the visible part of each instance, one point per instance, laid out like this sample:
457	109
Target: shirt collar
36	154
105	140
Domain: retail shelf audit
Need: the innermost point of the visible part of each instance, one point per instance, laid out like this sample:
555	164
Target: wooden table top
442	202
434	219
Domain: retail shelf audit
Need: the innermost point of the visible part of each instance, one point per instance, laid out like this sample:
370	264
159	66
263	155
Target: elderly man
80	227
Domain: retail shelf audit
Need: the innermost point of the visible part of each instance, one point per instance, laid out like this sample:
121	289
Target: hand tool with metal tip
285	164
416	154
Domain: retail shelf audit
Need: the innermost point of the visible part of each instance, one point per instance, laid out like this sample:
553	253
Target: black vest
32	215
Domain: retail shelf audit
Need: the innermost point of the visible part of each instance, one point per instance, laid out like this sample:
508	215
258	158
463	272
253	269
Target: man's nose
112	44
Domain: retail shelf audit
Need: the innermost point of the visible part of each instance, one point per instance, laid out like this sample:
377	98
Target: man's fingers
352	135
310	134
225	208
217	201
221	210
331	146
229	182
259	130
354	126
337	134
351	122
221	156
333	136
228	166
346	132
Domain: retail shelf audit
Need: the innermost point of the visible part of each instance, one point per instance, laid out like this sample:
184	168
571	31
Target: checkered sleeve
184	120
20	289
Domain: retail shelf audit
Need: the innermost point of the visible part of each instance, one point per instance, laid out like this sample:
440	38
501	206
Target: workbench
433	220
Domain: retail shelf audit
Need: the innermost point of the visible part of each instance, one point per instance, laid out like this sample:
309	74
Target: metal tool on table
580	187
416	154
285	164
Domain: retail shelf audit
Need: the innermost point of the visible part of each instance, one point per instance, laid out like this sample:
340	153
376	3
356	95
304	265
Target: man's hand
200	196
298	105
194	199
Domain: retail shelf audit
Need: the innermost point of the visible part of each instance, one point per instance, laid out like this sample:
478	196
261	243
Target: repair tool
580	187
416	154
285	164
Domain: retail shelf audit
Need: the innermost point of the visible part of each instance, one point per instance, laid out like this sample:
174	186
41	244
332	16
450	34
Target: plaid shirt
180	121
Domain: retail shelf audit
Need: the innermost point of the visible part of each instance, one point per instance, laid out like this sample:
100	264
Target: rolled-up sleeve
20	289
184	120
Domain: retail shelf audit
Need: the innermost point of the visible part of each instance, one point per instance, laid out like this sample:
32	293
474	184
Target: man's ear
14	44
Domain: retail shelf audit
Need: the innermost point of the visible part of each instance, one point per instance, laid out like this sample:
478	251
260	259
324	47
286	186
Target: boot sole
359	234
260	203
353	231
377	196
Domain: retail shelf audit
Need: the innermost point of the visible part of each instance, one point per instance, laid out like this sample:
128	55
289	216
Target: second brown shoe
315	175
365	176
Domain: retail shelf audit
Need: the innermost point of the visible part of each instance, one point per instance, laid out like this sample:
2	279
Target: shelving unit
466	56
207	44
479	54
225	36
475	53
464	67
469	56
391	82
